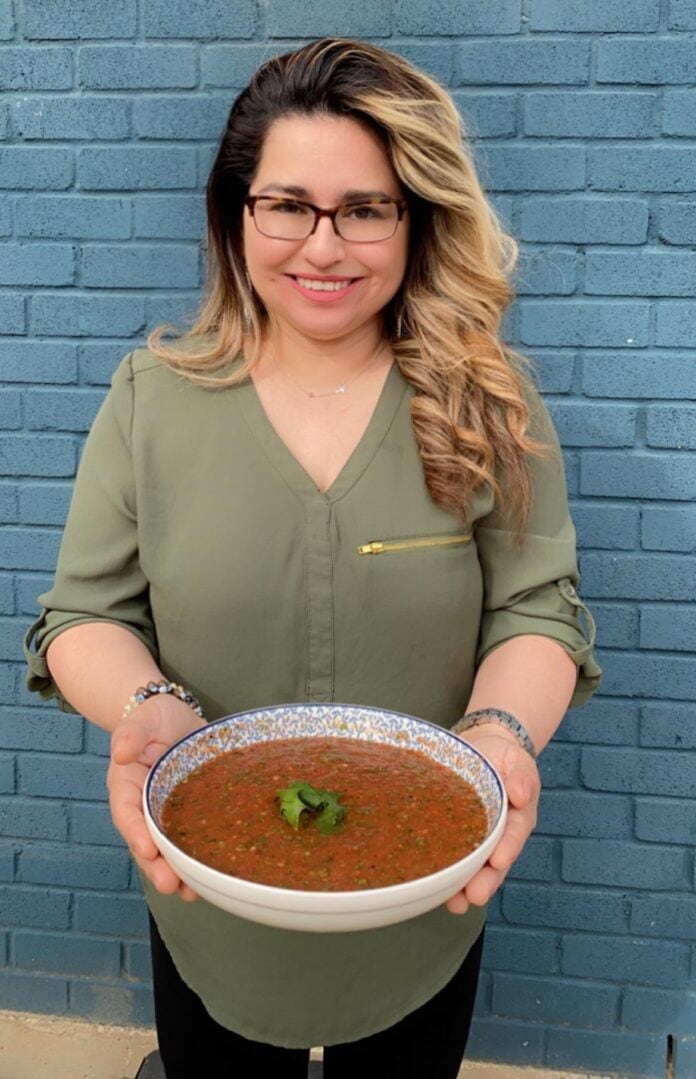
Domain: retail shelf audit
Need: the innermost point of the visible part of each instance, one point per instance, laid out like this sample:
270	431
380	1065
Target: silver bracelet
496	715
143	693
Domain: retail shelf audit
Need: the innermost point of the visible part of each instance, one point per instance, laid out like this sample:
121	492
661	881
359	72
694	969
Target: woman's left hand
523	785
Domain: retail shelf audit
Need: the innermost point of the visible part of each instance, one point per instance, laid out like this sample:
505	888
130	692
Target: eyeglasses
365	222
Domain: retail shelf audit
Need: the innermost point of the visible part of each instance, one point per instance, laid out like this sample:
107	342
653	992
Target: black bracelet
152	689
496	715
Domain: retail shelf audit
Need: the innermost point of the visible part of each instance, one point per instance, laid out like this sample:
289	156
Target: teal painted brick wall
582	117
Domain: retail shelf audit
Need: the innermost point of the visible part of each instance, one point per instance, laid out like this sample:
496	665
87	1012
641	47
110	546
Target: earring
246	314
399	326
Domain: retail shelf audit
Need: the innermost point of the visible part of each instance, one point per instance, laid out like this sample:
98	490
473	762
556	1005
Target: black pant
428	1043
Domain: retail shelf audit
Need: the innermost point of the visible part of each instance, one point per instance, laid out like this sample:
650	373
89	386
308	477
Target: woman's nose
324	246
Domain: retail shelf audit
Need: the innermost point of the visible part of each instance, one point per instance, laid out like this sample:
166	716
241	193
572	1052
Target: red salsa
405	815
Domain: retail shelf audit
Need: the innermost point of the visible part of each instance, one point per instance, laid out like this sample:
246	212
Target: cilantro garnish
323	805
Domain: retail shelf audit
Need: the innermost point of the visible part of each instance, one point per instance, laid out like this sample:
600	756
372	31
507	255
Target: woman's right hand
136	743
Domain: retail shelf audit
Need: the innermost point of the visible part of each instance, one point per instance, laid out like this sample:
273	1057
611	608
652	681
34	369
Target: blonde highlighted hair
469	412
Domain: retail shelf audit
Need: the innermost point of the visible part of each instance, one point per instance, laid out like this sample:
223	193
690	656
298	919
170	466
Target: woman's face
323	159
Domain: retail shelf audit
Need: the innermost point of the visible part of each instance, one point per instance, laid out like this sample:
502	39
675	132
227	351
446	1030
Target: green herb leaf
291	804
312	798
301	796
330	816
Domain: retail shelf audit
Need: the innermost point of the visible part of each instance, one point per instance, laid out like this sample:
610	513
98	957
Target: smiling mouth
323	285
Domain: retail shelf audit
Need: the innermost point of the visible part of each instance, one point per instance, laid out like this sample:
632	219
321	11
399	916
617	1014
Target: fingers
125	794
519	827
523	786
162	877
522	791
129	821
478	891
131	824
458	904
484	885
132	746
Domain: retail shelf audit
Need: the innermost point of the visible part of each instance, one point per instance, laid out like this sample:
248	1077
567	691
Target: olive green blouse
194	527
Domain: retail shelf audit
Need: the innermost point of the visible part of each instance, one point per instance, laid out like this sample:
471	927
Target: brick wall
583	115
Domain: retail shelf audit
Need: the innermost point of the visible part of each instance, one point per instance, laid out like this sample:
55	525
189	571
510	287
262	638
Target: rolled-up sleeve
98	576
532	588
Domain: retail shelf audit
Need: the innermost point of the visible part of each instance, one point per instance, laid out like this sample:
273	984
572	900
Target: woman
344	385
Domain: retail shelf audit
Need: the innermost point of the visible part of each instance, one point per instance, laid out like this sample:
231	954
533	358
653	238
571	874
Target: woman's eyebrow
303	193
287	189
357	194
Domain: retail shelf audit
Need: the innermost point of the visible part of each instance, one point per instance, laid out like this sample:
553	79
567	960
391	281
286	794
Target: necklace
343	388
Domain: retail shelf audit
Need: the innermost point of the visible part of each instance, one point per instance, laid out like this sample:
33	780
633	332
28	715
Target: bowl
324	911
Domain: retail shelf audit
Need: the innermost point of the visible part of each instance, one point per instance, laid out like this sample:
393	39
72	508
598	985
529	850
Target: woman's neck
322	365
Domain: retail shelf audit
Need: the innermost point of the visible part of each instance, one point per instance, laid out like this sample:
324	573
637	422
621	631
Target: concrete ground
44	1047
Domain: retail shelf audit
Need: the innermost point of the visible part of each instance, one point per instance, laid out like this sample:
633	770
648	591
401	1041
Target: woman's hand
136	743
521	778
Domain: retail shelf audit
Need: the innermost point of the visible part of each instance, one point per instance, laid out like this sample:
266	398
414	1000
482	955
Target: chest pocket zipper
388	546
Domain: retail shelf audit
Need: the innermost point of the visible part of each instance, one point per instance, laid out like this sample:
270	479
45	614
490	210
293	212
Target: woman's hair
469	412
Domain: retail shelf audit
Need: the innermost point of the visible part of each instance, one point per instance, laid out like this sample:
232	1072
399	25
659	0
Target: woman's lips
325	295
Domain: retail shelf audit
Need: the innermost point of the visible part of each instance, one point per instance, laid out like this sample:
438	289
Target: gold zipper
385	546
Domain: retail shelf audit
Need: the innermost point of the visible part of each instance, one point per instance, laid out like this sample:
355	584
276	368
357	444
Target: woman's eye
364	213
287	208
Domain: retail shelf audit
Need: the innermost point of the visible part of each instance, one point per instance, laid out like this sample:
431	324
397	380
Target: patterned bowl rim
249	885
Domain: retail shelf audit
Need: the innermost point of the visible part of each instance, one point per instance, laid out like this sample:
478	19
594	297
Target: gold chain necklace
343	388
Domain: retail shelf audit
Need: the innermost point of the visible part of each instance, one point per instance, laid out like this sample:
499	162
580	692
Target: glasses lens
283	219
368	222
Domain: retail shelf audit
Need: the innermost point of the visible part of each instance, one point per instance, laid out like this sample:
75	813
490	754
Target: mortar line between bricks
592	70
612	602
140	20
651	653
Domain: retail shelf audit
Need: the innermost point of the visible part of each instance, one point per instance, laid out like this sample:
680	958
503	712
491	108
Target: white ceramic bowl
324	912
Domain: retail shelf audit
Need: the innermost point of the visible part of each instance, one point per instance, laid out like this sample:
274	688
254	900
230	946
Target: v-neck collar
289	467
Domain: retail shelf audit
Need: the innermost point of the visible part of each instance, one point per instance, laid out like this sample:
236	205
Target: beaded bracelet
142	693
496	715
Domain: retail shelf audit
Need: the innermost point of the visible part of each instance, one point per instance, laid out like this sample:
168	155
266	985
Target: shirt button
568	589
